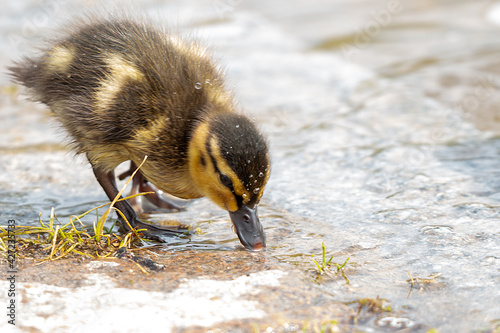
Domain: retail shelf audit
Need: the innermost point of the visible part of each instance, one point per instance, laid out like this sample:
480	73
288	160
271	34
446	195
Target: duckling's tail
24	72
28	72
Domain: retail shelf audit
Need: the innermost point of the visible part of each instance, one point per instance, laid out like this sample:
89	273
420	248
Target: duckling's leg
108	183
140	184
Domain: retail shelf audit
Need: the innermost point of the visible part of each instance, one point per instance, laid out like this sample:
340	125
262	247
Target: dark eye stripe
225	180
212	158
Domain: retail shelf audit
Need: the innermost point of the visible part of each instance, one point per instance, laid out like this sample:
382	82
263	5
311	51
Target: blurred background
384	125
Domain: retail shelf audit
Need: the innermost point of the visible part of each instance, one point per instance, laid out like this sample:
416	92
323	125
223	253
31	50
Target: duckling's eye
226	181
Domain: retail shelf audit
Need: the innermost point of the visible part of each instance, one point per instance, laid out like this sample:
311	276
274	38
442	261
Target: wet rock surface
185	291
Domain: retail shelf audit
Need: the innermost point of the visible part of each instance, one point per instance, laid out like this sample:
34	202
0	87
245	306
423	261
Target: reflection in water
382	155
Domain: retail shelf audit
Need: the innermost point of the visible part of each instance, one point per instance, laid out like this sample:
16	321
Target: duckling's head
229	162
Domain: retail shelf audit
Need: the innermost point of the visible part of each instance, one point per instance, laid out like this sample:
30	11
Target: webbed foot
140	185
154	232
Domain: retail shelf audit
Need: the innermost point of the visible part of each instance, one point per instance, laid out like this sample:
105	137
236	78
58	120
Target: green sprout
325	265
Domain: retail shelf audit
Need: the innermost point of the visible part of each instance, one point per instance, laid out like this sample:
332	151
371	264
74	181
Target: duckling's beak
248	228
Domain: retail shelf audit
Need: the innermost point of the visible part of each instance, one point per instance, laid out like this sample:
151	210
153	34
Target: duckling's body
123	90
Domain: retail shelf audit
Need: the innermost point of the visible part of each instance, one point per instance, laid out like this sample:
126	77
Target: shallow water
385	145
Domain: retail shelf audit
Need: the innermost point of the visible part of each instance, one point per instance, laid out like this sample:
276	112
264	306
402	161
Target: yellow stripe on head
225	169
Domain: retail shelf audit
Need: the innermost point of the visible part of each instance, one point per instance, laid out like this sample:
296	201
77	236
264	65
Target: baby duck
124	89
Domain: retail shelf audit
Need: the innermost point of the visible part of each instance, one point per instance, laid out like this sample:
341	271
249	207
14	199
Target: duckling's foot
154	232
139	185
171	229
108	183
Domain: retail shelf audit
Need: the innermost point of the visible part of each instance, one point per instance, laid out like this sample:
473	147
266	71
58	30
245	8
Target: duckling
124	89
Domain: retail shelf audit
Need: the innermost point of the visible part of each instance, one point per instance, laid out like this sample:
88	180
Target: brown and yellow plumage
124	89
